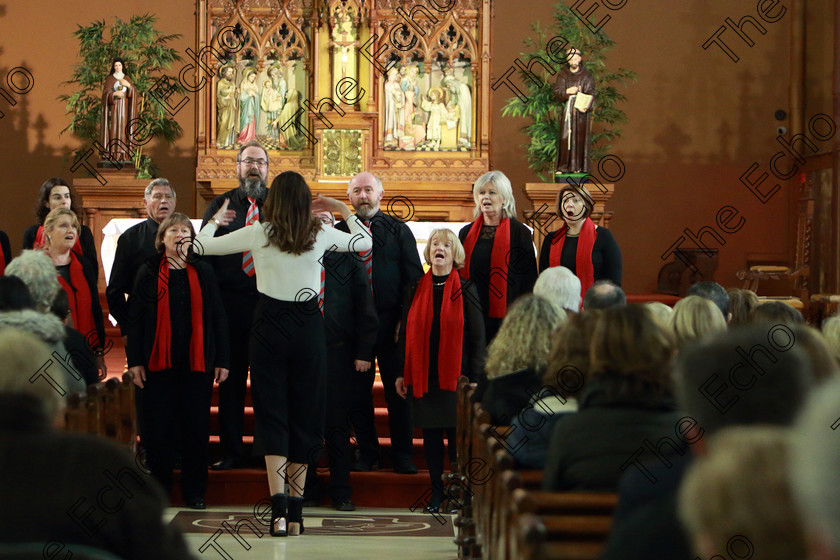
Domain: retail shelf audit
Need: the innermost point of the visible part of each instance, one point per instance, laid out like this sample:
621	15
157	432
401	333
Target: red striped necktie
321	290
251	218
367	258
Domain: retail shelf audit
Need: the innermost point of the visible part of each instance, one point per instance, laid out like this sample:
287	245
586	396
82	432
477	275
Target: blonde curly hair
525	338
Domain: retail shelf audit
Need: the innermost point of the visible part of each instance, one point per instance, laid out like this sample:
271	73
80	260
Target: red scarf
161	358
418	329
498	261
2	261
41	238
583	258
78	295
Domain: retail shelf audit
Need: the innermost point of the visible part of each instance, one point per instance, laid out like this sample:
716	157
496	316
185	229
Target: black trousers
434	450
178	396
288	367
240	312
399	413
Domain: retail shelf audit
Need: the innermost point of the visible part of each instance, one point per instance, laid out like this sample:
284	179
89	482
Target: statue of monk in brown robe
119	106
573	84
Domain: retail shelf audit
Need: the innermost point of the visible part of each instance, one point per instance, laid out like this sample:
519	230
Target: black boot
278	516
295	516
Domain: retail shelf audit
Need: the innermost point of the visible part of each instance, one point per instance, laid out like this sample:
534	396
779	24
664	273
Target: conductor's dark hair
14	295
602	295
774	374
714	292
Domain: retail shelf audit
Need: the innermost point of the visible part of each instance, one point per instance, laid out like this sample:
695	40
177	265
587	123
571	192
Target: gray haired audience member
776	312
37	271
814	473
831	332
714	292
55	471
560	286
603	294
771	377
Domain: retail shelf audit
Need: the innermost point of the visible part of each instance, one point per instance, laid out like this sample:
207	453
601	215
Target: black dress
437	408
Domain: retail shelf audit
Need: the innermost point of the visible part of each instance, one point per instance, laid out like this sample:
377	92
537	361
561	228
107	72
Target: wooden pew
107	410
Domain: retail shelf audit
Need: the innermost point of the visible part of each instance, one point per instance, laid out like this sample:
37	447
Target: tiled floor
366	534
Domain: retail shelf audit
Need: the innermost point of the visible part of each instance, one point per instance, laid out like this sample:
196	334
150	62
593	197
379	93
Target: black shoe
295	516
196	504
226	464
344	505
405	467
278	516
361	466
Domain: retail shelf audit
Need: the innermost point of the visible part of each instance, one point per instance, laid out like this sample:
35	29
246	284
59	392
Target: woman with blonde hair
695	317
442	338
518	356
741	304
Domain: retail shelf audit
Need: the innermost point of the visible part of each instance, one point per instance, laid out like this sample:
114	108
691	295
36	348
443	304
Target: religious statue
248	107
226	108
411	91
437	114
575	87
344	41
462	97
119	105
394	104
288	137
272	100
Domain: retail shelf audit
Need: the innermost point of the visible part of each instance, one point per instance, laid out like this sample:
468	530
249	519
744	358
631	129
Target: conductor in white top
287	350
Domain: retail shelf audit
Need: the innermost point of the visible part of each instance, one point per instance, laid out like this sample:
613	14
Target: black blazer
143	321
86	242
606	256
349	315
396	264
134	247
506	395
522	263
474	350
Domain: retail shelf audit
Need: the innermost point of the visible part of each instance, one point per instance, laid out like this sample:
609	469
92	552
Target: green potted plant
147	55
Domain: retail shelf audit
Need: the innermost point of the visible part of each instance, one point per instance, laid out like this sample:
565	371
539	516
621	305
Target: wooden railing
107	410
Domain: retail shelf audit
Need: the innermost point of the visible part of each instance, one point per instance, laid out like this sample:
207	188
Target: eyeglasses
251	161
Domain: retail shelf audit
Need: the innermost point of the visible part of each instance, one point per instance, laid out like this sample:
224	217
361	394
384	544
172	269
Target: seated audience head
494	186
37	271
831	331
446	235
747	375
814	473
661	312
160	199
631	352
560	286
524	339
56	193
23	355
695	317
61	306
739	497
603	294
712	291
741	304
776	312
823	365
568	362
14	295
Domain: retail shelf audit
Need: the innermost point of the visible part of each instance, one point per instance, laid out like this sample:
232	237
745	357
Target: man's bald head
365	192
603	294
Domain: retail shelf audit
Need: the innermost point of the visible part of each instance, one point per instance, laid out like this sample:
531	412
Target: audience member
831	332
823	364
14	295
776	312
739	498
5	251
77	345
603	294
564	379
741	304
772	381
661	313
518	356
560	286
52	481
627	400
696	317
38	273
714	292
814	473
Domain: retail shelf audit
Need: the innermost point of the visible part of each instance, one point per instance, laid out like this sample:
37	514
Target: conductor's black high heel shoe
278	516
295	516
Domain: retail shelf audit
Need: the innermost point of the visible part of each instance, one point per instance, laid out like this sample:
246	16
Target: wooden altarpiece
400	88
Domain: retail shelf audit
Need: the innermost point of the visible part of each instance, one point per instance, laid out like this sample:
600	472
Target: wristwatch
218	223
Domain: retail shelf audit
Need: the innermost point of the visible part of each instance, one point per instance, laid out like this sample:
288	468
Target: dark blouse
179	318
64	271
606	256
434	332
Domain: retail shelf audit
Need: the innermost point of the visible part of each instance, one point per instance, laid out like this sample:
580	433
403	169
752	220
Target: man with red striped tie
238	287
393	264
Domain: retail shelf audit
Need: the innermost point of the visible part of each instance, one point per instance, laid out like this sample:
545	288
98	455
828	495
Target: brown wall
696	120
